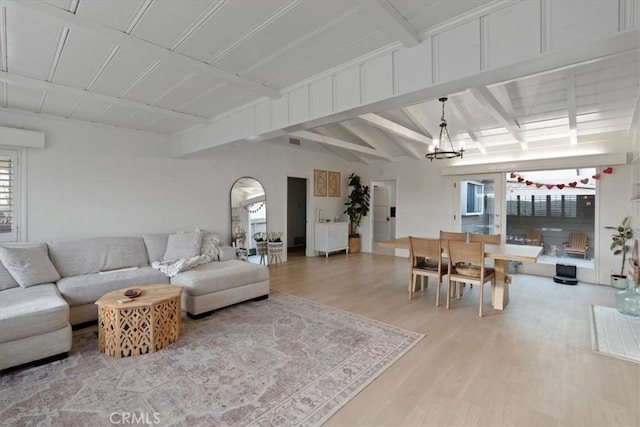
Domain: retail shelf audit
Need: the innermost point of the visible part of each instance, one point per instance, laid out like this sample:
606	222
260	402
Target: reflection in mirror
248	213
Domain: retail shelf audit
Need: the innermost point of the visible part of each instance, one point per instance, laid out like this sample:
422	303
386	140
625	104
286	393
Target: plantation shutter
8	174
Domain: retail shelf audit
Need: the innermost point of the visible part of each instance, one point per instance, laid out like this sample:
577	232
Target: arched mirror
248	213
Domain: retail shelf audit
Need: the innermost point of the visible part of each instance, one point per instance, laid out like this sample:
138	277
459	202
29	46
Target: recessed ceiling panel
160	80
181	14
89	110
227	25
141	120
24	98
82	57
320	63
435	12
297	23
59	104
116	14
62	4
168	126
207	105
312	50
31	42
116	115
126	67
188	91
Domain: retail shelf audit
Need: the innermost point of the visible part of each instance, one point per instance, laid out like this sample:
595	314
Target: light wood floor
531	364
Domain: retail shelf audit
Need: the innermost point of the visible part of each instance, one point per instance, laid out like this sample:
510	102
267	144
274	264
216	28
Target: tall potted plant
621	235
357	207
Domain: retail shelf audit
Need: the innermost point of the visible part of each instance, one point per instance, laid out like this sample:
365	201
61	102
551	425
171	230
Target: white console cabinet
331	237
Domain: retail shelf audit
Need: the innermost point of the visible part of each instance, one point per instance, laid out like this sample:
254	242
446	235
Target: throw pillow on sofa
29	266
183	245
210	245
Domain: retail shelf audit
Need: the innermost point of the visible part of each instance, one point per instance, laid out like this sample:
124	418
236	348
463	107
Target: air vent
294	141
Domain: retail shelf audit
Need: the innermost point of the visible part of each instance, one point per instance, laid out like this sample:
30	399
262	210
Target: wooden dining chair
577	244
493	239
451	235
426	261
466	265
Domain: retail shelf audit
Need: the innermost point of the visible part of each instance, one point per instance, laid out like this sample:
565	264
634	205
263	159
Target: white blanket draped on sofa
172	267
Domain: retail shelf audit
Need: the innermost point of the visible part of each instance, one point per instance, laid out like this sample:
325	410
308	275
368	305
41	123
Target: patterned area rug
615	334
281	361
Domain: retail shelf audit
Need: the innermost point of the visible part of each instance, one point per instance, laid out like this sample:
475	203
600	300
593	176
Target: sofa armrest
227	253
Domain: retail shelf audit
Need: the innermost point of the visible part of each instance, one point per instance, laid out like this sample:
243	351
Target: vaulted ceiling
168	66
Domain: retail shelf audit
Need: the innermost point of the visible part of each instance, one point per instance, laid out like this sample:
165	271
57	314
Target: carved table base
144	325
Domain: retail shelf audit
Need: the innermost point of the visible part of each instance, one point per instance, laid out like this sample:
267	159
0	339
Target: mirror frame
248	239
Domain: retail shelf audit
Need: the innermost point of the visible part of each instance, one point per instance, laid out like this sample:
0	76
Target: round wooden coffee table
145	324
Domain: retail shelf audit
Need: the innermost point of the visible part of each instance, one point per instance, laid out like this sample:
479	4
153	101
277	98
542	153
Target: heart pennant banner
573	184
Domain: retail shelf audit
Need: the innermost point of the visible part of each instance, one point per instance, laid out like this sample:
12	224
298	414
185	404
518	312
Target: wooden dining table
501	254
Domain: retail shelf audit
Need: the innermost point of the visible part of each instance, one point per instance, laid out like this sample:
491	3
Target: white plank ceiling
166	66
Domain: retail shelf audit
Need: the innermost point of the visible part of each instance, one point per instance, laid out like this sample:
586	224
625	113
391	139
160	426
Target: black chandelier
435	152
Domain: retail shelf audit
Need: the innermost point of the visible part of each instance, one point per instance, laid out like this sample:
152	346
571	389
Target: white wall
102	181
96	181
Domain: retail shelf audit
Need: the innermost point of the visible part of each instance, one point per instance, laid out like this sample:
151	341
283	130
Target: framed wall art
333	184
319	183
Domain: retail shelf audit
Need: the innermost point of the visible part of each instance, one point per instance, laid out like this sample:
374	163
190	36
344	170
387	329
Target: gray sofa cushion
88	288
227	253
183	245
156	245
217	276
30	265
25	312
7	281
77	257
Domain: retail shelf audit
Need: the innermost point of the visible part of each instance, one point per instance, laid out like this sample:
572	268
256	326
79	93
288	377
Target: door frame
393	201
499	203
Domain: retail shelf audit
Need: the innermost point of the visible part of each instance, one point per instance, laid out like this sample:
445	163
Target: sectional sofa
45	288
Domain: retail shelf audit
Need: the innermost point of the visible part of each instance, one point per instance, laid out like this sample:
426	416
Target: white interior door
381	214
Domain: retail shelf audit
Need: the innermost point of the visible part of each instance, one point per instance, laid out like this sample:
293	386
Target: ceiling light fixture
435	152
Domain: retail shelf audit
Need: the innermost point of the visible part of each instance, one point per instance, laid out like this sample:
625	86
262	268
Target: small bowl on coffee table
132	293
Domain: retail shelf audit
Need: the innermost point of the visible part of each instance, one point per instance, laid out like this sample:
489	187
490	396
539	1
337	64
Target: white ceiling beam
327	140
122	39
484	96
391	21
466	122
395	128
570	83
365	134
417	117
83	94
352	156
407	147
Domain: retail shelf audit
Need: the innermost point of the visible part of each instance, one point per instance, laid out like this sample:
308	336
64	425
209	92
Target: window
512	204
540	205
570	206
555	205
472	198
9	195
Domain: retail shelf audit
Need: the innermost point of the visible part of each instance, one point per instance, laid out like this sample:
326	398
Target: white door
478	201
381	214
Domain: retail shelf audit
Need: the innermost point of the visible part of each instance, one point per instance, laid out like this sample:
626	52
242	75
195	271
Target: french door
478	202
